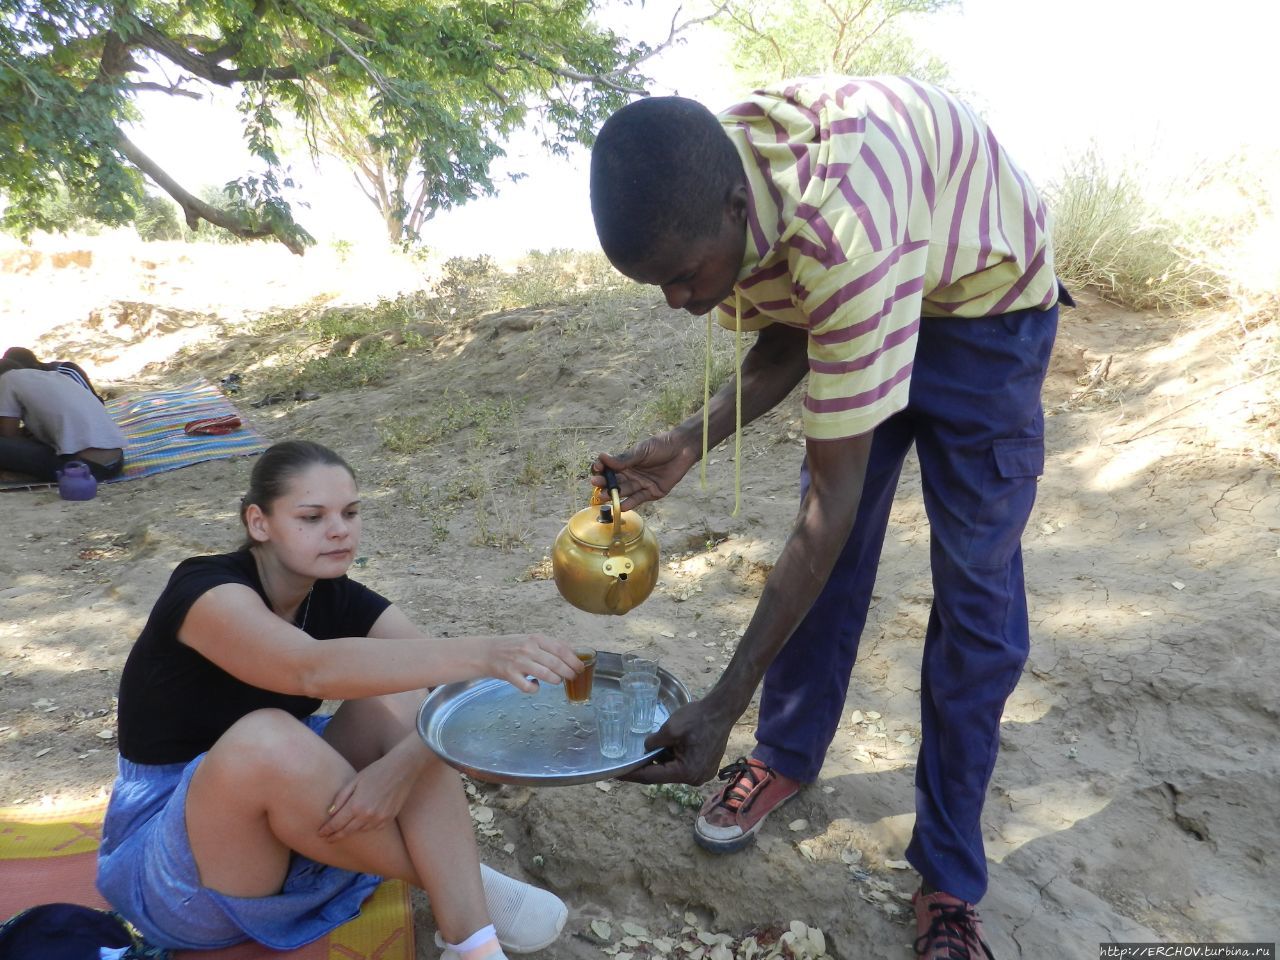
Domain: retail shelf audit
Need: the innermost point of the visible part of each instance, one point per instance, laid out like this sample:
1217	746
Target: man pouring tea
885	246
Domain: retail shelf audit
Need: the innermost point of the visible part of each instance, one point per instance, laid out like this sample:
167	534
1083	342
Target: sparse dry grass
324	348
1136	249
1205	236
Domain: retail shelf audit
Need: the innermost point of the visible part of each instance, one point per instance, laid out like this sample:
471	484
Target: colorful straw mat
153	425
50	856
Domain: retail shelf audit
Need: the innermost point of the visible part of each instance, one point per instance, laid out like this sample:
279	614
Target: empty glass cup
637	663
641	692
612	718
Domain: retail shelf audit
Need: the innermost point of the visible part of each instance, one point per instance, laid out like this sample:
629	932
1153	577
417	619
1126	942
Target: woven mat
50	856
152	423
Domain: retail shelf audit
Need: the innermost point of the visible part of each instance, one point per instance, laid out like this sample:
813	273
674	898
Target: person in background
240	812
62	422
885	246
28	360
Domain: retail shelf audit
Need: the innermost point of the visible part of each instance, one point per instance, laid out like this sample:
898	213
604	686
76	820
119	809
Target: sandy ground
1136	794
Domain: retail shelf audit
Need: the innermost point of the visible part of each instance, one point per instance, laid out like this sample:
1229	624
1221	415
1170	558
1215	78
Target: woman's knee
268	744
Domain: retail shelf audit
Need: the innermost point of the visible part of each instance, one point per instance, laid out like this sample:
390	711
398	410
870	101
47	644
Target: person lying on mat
239	812
62	421
24	358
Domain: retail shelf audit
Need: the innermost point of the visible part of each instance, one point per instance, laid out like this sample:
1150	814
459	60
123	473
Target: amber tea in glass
578	689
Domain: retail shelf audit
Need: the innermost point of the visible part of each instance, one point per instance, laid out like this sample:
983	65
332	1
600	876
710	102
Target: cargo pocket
1008	494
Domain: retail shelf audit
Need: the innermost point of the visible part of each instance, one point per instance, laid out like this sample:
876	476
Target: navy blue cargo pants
975	417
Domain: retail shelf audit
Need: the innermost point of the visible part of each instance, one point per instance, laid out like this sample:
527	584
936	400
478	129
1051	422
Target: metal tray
492	731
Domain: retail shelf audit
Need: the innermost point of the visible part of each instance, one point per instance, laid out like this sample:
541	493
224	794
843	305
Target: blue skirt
146	871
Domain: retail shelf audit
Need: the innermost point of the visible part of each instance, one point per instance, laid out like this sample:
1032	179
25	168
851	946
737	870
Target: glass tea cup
641	693
638	663
612	718
578	689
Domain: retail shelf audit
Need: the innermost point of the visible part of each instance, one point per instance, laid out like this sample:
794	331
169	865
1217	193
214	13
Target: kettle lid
587	527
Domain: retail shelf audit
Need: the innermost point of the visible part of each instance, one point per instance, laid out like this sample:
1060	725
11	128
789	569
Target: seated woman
29	361
239	812
63	422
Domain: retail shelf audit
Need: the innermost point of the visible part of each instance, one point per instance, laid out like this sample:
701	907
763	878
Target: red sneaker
948	928
729	820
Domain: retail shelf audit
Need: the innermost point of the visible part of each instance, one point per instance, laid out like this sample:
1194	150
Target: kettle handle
617	516
611	485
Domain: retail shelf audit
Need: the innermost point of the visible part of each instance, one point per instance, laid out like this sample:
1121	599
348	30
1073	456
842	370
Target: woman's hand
523	659
371	799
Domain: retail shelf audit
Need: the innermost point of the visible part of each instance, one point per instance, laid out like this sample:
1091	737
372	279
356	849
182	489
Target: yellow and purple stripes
873	202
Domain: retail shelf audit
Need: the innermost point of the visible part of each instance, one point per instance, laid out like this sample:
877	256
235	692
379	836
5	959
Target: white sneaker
526	918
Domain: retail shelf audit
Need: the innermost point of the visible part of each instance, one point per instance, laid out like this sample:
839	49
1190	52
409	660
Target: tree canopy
438	85
779	39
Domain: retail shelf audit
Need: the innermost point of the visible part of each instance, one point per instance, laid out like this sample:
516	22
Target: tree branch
235	42
610	80
369	195
600	80
173	89
36	95
418	215
866	38
378	79
676	30
193	207
205	67
746	20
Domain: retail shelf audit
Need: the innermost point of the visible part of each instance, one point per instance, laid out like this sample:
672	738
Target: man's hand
649	470
773	366
696	734
694	737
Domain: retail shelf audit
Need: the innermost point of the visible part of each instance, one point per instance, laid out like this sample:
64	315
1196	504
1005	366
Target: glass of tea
578	689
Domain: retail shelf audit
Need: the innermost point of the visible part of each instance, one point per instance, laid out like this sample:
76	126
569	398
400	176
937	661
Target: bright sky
1162	81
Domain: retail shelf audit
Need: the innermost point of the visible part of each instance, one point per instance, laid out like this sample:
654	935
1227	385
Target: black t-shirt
174	703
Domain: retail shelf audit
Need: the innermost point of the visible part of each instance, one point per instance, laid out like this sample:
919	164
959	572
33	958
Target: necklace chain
306	609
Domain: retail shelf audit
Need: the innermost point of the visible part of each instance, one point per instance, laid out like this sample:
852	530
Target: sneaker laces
954	926
743	777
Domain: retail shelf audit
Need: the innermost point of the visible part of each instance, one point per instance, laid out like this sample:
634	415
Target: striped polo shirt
874	202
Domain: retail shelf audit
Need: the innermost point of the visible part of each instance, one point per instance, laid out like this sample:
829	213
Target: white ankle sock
525	917
481	945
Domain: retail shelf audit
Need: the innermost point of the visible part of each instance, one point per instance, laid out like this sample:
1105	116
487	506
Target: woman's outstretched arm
232	627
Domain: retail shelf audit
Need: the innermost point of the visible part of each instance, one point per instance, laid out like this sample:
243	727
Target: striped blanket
152	423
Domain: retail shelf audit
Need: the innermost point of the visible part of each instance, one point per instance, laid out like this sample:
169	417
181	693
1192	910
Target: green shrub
59	213
367	366
157	219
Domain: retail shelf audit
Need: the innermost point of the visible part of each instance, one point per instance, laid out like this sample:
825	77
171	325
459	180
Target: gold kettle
604	560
